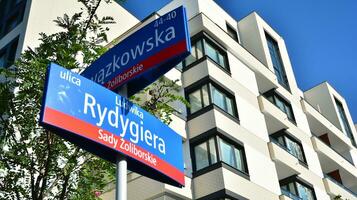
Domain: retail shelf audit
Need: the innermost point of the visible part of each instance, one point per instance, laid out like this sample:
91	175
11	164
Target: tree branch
47	165
91	16
68	175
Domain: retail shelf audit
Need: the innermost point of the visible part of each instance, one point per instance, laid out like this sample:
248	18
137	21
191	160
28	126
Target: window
345	126
296	189
205	47
205	154
208	94
11	14
290	144
277	61
231	155
232	32
217	149
281	104
199	98
8	53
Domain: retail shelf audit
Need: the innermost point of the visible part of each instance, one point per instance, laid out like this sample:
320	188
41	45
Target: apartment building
250	132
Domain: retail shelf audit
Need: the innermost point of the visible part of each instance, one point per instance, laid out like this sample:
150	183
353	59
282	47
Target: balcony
286	164
333	188
276	119
315	137
320	125
330	161
205	67
223	178
265	77
328	154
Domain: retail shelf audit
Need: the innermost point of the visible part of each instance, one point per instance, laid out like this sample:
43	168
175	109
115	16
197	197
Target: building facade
250	132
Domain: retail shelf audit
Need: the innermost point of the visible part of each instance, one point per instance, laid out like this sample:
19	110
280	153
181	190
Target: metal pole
121	192
121	182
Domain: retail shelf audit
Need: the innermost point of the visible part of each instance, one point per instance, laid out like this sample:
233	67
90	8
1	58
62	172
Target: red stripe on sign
147	64
89	131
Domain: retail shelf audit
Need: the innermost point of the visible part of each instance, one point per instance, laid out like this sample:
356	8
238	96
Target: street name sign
145	55
105	123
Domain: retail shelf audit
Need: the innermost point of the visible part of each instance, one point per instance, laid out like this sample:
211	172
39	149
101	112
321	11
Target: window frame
273	94
232	31
295	179
203	38
11	10
281	70
217	135
209	82
233	146
209	159
346	128
283	133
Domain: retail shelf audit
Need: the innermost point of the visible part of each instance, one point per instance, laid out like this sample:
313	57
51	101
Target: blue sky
321	37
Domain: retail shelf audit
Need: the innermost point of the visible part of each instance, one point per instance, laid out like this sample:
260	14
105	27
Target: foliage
159	97
35	163
339	197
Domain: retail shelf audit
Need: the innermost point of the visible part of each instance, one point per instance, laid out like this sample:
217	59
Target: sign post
121	186
121	183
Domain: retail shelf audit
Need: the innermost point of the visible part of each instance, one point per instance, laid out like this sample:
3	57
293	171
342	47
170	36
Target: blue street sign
106	124
145	55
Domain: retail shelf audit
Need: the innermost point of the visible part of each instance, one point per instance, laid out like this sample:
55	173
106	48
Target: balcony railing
339	184
273	140
332	148
351	139
290	195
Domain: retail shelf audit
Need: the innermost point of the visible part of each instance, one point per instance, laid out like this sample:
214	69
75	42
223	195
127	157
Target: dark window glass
2	60
195	99
203	97
290	144
304	192
204	47
297	190
8	53
232	32
11	14
277	61
295	148
227	152
201	156
345	125
206	154
281	104
222	100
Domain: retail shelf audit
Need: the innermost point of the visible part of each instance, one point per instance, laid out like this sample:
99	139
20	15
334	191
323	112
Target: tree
159	97
36	163
338	197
